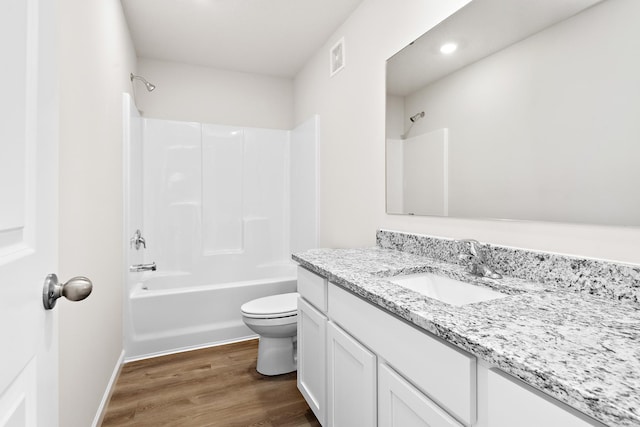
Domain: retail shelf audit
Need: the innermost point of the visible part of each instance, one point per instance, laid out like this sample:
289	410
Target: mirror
535	116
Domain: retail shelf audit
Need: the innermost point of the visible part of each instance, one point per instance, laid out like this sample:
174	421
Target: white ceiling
273	37
480	28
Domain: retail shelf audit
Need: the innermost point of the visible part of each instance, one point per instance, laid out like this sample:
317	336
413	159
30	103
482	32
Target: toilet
274	318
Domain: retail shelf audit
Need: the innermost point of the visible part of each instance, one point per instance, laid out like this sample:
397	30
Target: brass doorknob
75	289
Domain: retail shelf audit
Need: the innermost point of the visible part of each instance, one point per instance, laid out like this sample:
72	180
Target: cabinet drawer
444	373
313	288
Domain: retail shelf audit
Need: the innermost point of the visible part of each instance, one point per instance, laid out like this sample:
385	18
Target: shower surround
221	209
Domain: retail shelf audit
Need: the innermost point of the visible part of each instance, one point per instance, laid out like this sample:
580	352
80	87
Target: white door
28	213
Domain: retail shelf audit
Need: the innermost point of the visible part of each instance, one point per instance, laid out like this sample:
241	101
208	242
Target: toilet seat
271	307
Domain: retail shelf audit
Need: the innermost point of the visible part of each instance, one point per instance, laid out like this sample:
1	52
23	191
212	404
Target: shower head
413	119
416	116
149	86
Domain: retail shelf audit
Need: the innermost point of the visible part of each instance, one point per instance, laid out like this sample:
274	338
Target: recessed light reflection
448	48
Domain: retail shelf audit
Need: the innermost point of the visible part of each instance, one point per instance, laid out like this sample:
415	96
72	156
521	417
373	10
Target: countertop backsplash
606	279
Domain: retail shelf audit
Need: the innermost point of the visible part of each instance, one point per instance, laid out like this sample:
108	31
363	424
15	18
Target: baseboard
189	348
97	421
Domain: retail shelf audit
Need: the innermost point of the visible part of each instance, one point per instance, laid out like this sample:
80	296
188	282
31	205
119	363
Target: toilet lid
282	305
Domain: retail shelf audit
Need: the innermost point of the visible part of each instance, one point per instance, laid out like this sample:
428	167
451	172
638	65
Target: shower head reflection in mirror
413	119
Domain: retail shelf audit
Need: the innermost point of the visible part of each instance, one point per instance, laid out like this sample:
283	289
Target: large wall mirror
532	112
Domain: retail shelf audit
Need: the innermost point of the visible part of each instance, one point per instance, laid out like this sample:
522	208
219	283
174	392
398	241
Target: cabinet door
512	403
312	336
402	405
351	389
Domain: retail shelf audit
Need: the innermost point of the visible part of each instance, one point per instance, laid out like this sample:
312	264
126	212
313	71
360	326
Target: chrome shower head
149	86
413	119
416	116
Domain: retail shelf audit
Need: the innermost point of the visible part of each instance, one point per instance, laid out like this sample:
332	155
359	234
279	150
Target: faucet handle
137	240
474	246
464	257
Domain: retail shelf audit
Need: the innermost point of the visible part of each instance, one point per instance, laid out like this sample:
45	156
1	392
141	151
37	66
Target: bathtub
164	318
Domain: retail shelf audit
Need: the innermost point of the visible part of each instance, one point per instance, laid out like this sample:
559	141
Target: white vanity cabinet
359	365
442	374
336	374
341	339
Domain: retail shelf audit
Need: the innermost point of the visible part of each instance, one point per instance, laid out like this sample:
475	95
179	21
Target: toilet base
277	356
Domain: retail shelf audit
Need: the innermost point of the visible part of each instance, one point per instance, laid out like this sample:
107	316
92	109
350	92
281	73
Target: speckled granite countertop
581	349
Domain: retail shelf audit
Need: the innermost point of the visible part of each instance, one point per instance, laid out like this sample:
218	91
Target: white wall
207	95
351	106
95	58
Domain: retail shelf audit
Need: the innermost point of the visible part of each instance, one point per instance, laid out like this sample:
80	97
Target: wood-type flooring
216	386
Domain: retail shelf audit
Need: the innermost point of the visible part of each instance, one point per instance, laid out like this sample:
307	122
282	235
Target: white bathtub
164	318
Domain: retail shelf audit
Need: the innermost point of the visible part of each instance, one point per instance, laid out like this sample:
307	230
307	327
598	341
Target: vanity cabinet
336	374
359	365
441	373
329	318
445	374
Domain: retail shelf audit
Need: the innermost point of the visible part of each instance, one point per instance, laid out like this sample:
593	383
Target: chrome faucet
137	240
143	267
476	260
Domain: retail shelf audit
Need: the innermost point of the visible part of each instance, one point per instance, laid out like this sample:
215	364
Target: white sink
447	290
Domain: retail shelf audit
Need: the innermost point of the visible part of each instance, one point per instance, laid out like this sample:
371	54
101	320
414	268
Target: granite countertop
583	350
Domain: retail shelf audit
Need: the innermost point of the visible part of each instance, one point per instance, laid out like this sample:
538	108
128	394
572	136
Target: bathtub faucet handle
137	240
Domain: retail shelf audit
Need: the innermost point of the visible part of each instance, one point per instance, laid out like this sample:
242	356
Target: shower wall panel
266	209
172	194
216	206
222	189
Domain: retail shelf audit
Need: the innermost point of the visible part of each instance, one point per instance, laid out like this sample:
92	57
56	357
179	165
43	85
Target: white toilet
274	318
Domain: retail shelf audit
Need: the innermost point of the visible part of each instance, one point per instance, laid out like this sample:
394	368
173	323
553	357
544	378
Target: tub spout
143	267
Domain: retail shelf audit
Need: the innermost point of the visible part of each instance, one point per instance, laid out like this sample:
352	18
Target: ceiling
272	37
480	28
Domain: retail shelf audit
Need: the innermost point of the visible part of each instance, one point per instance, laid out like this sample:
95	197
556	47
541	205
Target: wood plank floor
216	386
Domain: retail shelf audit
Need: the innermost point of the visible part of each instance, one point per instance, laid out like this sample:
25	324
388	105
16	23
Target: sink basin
447	290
